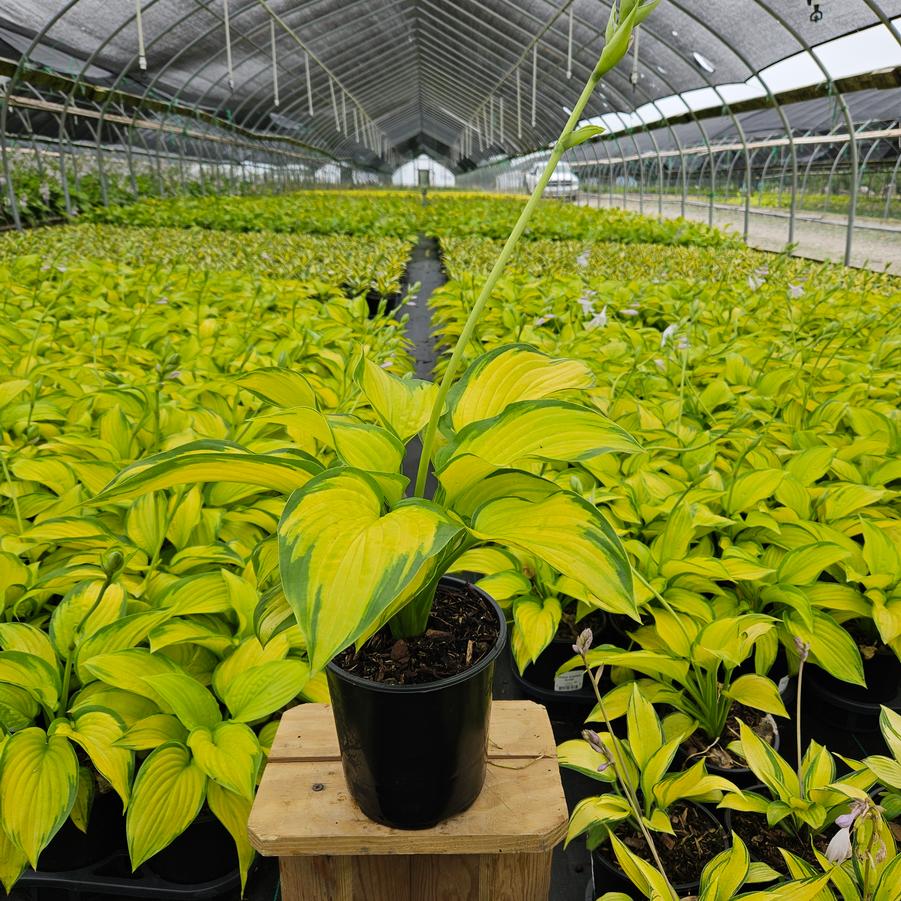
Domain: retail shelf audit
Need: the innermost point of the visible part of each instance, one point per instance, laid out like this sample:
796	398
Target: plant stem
560	147
798	725
631	794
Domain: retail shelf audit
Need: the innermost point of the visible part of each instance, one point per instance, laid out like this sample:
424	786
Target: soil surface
462	629
698	745
764	843
698	839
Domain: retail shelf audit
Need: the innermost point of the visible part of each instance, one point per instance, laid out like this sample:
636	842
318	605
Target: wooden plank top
521	808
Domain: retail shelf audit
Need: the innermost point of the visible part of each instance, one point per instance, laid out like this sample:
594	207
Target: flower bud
112	562
583	642
803	649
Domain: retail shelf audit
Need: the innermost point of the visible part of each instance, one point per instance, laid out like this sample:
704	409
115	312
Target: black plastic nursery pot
414	755
606	875
840	707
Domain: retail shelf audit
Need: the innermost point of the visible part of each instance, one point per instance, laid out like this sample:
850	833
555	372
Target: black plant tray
110	877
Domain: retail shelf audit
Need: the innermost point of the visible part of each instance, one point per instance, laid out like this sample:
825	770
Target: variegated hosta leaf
536	621
168	794
230	754
211	461
96	732
279	387
509	374
538	430
346	559
569	535
38	786
468	482
403	405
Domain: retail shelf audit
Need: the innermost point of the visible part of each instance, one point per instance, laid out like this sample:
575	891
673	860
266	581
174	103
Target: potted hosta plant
408	651
695	667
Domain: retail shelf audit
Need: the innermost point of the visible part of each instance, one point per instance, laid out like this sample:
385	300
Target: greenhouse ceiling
373	81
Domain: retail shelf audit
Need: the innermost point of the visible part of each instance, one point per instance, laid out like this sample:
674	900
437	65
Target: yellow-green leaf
536	620
230	754
193	704
570	535
346	558
403	405
233	811
168	793
152	731
757	692
38	786
279	387
25	638
261	690
33	674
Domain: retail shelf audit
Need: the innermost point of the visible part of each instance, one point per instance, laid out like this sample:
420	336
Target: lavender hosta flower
668	333
411	303
660	364
839	848
599	321
582	259
387	364
175	374
795	291
847	820
546	318
583	642
683	343
587	304
803	649
629	312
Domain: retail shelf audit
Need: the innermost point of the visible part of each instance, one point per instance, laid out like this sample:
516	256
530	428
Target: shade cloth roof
357	78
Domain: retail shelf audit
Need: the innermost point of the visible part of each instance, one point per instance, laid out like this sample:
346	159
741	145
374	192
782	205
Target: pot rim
448	681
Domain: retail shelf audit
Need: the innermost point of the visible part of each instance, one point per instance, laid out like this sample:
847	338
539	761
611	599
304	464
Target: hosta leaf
38	785
757	692
365	446
33	674
12	861
839	501
346	558
538	430
606	810
749	489
487	560
28	640
145	523
168	793
279	387
890	726
643	728
210	461
71	614
570	535
128	670
152	731
831	647
259	691
233	811
650	881
726	873
578	755
97	731
193	704
692	784
536	620
123	634
84	798
803	565
230	754
509	374
403	405
17	707
768	766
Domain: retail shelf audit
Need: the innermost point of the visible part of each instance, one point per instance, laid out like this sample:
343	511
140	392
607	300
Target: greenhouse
450	451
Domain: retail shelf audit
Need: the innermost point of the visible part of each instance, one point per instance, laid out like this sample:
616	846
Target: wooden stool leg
516	877
316	878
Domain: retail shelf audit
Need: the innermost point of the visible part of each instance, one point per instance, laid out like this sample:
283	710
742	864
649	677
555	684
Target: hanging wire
518	105
633	78
142	52
491	119
344	110
501	123
534	82
306	60
228	46
569	45
331	90
275	99
353	109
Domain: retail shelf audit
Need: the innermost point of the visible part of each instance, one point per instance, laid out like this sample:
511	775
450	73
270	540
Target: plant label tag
783	684
571	681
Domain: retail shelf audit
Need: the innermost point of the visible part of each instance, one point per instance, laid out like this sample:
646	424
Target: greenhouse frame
449	450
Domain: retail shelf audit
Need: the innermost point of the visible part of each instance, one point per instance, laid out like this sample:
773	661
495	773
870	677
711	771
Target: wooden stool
498	850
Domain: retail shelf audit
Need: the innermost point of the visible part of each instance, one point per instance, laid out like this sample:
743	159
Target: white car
564	183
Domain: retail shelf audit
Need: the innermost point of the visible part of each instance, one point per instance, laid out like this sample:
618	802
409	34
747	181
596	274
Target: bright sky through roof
865	51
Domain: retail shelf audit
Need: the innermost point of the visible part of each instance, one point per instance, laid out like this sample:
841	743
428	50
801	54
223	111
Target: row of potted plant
401	214
137	659
361	266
